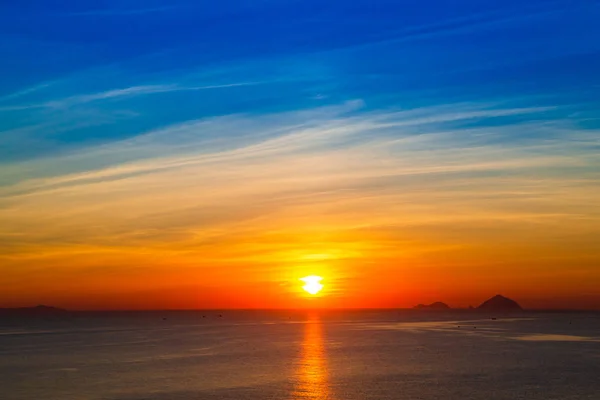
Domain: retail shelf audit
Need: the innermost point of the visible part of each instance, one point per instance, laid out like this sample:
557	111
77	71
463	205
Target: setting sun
312	284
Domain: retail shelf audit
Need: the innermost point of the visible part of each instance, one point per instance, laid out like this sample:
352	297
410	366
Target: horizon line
434	311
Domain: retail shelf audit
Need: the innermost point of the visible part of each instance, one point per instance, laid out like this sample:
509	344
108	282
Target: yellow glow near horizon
312	284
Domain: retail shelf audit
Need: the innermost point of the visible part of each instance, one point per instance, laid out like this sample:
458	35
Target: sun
312	284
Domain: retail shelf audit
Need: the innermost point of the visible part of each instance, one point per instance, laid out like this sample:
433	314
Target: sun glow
312	284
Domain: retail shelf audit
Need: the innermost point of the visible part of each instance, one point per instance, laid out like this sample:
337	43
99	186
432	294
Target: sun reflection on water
312	377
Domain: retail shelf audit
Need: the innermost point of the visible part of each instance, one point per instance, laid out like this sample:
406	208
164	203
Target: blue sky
482	106
271	56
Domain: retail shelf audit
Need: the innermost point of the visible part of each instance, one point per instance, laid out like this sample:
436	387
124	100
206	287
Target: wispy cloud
291	134
122	93
339	172
27	91
461	25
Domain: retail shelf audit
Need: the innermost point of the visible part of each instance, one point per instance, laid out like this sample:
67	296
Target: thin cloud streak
459	169
457	26
317	138
27	91
122	93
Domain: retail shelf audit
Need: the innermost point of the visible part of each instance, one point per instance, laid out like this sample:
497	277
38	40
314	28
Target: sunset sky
194	154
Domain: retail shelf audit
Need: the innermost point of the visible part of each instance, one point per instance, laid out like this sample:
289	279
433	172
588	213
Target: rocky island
438	306
499	303
40	310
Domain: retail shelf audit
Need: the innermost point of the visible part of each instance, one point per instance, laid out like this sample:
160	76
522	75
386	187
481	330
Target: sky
191	154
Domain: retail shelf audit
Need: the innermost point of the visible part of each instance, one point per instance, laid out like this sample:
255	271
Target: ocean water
246	355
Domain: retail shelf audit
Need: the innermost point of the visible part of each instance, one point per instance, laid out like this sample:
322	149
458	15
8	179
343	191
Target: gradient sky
196	154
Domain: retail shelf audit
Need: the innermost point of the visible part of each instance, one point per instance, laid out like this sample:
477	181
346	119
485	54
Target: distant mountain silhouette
37	310
499	303
438	305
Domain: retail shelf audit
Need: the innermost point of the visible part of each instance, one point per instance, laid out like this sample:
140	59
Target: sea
319	355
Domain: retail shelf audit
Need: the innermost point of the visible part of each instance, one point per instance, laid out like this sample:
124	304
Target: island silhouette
498	303
438	305
40	310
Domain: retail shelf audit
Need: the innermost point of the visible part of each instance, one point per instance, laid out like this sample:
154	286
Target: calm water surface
300	355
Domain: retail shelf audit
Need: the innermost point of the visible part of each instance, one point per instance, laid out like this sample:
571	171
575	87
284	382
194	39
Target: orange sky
386	222
202	155
459	260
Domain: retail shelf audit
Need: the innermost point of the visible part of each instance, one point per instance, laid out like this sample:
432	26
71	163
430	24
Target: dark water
300	355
